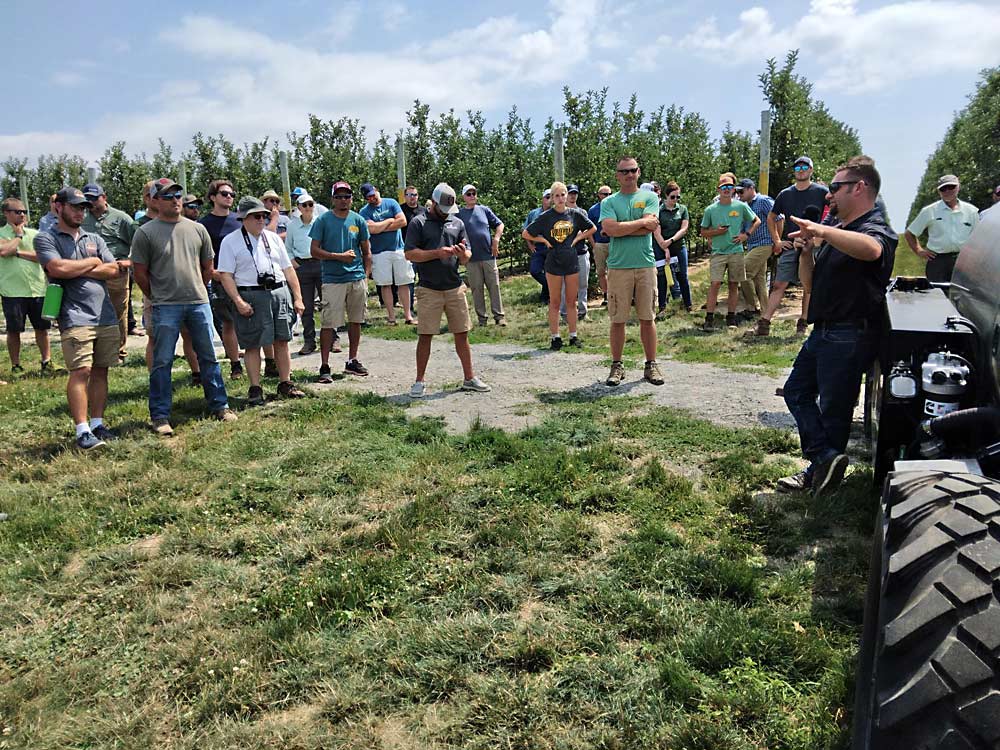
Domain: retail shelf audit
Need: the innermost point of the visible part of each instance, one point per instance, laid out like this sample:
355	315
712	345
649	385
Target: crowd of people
249	274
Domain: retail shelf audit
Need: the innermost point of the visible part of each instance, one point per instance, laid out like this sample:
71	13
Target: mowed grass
332	573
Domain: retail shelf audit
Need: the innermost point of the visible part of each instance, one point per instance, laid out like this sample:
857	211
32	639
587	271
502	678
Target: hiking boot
556	343
828	475
88	441
235	370
225	415
270	368
255	396
502	322
709	324
575	341
801	327
354	367
763	327
324	375
749	315
651	373
731	320
288	389
800	482
475	384
307	348
103	433
617	374
417	389
162	427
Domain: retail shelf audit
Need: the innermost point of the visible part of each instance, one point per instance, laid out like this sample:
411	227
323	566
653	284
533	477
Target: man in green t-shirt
723	223
629	218
22	284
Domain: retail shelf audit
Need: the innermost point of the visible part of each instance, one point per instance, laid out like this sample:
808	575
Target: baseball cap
93	190
270	194
547	193
340	185
189	198
297	191
948	179
162	185
444	196
467	188
367	189
72	196
746	182
250	205
803	160
571	188
304	197
644	186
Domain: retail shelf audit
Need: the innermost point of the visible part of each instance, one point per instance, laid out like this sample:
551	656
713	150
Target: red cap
340	185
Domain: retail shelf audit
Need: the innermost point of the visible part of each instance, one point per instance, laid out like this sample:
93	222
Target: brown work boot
287	389
763	327
225	415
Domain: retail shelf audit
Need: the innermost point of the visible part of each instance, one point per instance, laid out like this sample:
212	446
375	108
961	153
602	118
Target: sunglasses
801	168
726	188
835	186
471	192
192	205
272	200
343	196
944	188
629	170
170	196
16	211
410	195
674	197
603	195
226	194
256	215
307	204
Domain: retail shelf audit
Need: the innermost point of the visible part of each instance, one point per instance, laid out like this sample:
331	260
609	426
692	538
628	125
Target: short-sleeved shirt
733	216
410	213
48	222
218	227
594	214
670	224
793	202
85	301
947	230
115	227
267	254
532	215
174	253
298	243
634	251
761	205
384	241
479	222
846	289
337	235
560	228
428	232
20	277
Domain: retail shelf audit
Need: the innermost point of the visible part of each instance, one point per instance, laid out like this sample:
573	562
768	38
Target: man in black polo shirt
854	256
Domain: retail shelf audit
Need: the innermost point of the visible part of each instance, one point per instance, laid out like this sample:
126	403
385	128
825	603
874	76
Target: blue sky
897	71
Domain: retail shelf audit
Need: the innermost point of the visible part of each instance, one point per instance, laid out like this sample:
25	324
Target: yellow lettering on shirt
561	230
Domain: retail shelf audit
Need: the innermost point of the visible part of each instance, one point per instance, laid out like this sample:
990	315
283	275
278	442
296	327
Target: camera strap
253	255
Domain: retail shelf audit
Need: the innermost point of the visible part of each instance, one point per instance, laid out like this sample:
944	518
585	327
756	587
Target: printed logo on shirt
561	230
353	229
90	248
734	213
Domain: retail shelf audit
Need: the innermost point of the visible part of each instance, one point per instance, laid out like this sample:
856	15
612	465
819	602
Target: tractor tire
928	672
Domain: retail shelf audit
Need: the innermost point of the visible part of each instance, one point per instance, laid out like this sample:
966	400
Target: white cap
304	197
467	188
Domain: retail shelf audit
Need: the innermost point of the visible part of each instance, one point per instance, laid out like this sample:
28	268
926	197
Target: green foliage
970	149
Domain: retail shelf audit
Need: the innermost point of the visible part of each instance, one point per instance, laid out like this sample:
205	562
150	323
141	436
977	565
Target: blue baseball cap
367	189
571	188
298	191
93	190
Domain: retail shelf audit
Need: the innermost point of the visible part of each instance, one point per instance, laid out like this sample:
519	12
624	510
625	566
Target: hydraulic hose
981	423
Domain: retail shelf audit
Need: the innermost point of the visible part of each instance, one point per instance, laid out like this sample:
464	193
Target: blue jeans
823	387
167	322
536	267
679	271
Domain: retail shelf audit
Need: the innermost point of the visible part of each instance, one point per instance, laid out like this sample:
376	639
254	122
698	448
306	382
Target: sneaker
307	348
763	327
575	341
483	322
225	415
255	396
617	374
235	370
46	367
579	316
651	372
556	343
417	389
502	322
162	427
391	323
749	315
604	302
324	375
88	441
103	433
709	324
16	370
800	482
354	367
288	389
337	349
731	320
828	475
801	327
411	322
196	379
270	368
477	385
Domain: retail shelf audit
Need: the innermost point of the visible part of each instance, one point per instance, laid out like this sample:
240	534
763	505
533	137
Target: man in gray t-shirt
173	261
81	263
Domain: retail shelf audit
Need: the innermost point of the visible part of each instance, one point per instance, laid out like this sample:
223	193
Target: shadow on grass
587	393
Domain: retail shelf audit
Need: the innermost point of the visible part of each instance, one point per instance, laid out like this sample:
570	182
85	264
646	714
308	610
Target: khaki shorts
731	262
601	257
623	284
90	346
452	302
343	303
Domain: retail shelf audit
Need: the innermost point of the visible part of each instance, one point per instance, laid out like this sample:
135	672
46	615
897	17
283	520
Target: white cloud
863	51
67	79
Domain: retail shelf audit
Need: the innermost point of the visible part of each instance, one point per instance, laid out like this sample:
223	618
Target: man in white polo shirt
948	223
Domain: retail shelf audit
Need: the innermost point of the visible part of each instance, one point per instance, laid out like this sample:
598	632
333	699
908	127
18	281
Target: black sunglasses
343	196
226	194
16	211
835	186
674	197
629	170
307	204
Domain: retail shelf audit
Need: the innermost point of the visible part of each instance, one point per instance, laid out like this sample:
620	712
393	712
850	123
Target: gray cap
803	160
71	196
948	179
250	205
547	193
444	196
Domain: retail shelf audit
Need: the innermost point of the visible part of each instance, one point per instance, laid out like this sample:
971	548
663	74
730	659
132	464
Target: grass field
333	573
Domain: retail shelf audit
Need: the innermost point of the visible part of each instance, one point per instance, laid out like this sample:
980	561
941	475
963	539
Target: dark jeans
823	387
681	288
536	267
661	287
131	312
940	267
311	285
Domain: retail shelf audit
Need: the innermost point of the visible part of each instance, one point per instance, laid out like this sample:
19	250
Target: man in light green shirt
948	223
22	284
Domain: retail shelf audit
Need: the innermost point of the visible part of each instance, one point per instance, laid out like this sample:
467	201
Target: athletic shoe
417	389
88	441
391	323
235	370
483	322
575	341
731	320
354	367
255	396
307	348
709	324
103	433
47	367
16	370
604	302
411	322
477	385
502	322
801	327
651	372
763	327
196	379
288	389
617	374
556	343
225	415
582	316
828	475
800	482
324	375
162	427
749	315
270	368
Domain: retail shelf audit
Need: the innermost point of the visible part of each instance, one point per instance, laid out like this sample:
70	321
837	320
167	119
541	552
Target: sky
86	77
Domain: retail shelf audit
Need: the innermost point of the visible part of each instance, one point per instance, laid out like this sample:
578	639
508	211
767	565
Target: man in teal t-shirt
628	218
723	224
